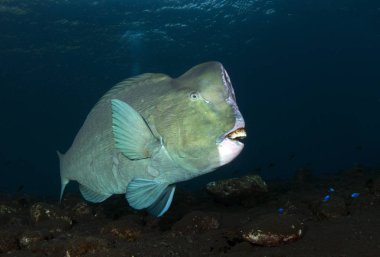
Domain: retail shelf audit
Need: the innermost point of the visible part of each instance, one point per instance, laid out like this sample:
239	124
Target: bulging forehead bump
227	83
230	94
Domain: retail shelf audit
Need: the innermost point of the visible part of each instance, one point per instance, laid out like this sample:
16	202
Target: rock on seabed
235	190
273	230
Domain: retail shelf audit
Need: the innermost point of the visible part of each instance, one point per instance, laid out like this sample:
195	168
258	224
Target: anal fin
91	195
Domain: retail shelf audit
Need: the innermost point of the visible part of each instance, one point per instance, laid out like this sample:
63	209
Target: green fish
151	131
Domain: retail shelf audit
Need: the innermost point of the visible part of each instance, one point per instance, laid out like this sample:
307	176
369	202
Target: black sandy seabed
293	218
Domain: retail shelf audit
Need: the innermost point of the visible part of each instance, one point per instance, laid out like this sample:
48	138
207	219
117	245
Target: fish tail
64	180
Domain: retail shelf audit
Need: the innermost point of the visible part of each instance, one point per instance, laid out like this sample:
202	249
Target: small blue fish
280	210
331	190
355	195
326	198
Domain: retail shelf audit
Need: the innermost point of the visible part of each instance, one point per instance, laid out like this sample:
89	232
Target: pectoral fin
91	195
132	134
162	204
142	193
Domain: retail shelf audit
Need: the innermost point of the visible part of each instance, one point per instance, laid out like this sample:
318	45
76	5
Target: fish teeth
238	133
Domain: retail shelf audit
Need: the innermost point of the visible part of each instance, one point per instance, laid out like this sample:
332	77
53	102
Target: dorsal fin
133	81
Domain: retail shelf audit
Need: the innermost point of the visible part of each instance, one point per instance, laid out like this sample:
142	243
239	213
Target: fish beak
236	134
229	145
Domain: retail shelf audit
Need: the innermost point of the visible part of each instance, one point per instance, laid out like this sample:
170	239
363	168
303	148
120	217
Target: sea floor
305	217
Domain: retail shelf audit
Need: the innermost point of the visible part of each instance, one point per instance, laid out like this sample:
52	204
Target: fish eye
194	96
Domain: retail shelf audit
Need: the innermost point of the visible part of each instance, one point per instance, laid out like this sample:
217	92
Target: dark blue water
306	75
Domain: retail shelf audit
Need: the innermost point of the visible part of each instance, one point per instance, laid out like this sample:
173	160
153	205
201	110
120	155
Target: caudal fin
64	181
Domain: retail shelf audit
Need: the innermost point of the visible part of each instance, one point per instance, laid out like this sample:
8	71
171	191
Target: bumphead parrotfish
151	131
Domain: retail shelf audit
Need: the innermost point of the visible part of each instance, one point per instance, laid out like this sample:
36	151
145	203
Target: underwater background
306	76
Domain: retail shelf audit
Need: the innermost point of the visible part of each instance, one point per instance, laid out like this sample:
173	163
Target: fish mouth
237	135
230	144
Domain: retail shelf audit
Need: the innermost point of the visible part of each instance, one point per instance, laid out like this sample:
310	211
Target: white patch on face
228	150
